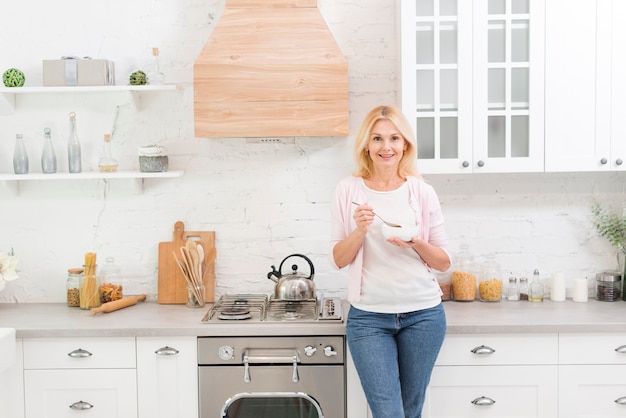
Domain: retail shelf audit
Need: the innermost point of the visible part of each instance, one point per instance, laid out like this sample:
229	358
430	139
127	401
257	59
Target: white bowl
405	232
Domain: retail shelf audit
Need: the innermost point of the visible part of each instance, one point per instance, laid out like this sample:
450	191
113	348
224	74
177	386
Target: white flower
8	268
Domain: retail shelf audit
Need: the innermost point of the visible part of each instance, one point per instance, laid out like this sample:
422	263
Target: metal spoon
384	221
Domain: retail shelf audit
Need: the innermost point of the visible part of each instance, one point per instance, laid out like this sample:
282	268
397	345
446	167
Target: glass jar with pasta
463	276
490	285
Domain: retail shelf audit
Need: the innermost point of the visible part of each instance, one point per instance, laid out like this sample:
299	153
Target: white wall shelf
8	94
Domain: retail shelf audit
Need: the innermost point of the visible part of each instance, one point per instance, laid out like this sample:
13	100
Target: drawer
79	353
592	391
498	349
61	393
592	348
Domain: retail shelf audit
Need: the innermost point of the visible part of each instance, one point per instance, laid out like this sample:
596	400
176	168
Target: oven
295	376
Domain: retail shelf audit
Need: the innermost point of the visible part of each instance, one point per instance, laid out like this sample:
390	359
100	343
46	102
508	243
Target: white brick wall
264	201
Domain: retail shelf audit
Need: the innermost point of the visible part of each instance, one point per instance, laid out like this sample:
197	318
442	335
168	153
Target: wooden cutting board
172	286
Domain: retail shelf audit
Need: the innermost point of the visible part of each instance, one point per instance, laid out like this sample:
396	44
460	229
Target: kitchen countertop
49	320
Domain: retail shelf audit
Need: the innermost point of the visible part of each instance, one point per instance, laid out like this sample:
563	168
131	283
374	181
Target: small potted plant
611	225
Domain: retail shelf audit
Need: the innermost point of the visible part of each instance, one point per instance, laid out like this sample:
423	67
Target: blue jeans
394	355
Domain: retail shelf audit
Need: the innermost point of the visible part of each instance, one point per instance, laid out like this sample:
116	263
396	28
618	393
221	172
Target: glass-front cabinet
472	83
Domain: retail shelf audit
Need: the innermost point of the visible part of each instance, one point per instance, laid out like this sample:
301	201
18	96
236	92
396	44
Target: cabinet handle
621	349
81	406
480	163
618	161
166	351
483	349
465	164
621	401
79	353
483	401
603	161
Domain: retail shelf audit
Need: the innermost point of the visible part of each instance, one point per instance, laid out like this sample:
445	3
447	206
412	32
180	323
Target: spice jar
524	290
490	286
73	286
608	286
464	276
512	292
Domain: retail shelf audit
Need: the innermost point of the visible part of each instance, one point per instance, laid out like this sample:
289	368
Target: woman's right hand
363	217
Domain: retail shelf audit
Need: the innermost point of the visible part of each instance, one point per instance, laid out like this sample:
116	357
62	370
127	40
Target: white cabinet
472	84
67	376
592	372
513	375
585	128
12	387
167	377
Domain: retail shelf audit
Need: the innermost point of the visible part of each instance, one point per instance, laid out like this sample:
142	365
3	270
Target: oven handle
232	399
281	357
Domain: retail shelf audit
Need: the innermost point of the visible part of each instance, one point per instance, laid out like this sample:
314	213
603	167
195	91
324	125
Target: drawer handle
166	351
621	401
483	401
621	349
79	353
483	349
81	406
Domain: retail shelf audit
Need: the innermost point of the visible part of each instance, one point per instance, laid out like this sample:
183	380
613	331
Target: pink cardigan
422	198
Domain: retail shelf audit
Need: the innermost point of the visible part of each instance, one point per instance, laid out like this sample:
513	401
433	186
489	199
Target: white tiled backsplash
265	201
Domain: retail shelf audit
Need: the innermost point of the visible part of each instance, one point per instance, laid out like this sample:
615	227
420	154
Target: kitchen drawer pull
483	349
621	401
166	351
483	401
81	406
621	349
79	353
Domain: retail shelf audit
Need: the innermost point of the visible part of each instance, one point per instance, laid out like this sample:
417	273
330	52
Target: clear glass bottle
20	156
107	163
512	291
536	288
155	75
524	290
73	286
490	286
48	156
464	276
74	157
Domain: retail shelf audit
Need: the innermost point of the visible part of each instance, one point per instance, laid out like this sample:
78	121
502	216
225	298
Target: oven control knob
329	351
309	350
226	352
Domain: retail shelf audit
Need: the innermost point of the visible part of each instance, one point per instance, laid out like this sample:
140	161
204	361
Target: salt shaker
512	292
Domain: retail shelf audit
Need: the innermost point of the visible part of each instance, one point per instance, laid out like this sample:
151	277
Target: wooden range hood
271	68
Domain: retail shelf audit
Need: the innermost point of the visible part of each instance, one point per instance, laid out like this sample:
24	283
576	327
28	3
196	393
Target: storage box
73	71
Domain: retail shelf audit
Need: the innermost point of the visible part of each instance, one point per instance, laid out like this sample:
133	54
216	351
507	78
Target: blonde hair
408	163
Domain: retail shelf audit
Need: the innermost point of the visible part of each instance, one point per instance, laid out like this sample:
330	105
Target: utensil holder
195	296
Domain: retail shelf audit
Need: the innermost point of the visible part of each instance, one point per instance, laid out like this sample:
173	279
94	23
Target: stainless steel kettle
294	285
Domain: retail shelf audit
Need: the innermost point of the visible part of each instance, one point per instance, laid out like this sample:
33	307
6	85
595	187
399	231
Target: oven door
271	391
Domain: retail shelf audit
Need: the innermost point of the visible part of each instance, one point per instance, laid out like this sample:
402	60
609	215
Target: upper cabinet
473	84
585	85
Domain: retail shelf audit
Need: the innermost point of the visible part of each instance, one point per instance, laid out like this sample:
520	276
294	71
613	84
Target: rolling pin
118	304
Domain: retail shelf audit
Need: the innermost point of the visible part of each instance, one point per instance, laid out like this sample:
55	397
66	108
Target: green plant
13	78
611	225
138	78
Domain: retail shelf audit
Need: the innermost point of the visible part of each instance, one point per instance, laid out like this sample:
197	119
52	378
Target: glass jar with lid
490	285
608	286
109	278
73	286
463	275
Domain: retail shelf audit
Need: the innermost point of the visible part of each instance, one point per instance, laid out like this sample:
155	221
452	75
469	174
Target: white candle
580	291
557	293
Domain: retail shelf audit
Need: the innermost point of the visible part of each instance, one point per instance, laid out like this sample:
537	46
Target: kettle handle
280	268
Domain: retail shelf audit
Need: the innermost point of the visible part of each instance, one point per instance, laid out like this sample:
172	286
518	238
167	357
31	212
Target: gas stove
264	308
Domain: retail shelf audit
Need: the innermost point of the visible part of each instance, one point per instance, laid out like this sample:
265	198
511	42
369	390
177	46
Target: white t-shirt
395	279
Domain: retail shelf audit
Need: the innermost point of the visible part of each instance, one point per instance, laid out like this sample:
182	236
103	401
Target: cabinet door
592	348
585	64
492	391
82	392
12	387
167	376
592	391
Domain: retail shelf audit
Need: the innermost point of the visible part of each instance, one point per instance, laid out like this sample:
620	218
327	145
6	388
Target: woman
396	323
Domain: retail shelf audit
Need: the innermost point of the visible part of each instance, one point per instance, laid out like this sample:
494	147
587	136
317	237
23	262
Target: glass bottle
107	163
73	286
155	76
73	148
524	290
20	157
512	292
48	156
464	276
490	286
536	288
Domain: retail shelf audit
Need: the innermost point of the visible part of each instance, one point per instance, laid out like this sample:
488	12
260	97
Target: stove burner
234	315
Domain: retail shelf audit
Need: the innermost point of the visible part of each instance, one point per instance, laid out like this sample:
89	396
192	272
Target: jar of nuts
464	276
73	286
490	285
